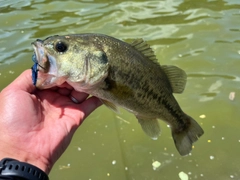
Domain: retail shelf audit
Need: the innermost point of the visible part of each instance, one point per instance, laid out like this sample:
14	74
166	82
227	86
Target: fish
120	74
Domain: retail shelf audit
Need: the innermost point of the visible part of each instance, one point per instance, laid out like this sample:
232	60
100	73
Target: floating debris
202	116
183	176
211	157
11	72
114	162
232	96
209	141
118	117
61	167
156	165
126	168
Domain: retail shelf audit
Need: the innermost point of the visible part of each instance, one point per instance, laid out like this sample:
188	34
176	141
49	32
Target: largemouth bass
120	74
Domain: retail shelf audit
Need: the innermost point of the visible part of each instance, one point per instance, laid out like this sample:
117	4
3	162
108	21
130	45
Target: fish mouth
41	76
40	57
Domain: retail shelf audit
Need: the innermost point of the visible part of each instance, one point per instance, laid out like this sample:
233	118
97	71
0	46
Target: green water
200	36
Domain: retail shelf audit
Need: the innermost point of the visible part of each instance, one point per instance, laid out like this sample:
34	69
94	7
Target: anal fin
150	127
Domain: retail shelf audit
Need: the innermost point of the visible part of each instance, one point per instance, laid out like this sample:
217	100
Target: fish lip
46	74
35	46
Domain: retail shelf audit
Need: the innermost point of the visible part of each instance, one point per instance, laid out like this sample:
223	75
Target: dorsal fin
176	76
144	48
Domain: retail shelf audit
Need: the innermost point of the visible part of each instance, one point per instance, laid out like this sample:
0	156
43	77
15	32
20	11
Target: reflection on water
202	37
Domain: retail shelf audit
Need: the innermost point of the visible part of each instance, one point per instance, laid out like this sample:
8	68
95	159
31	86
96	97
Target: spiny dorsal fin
144	48
176	76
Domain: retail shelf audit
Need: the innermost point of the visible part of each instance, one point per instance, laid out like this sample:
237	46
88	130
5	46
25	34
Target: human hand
36	126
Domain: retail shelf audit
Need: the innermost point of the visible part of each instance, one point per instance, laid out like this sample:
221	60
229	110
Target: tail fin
184	139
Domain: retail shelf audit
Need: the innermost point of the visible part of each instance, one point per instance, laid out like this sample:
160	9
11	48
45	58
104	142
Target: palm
42	122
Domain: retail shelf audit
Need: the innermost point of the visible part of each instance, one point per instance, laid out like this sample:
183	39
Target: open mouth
37	58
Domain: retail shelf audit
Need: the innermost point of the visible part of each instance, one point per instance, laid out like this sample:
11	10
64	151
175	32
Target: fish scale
120	74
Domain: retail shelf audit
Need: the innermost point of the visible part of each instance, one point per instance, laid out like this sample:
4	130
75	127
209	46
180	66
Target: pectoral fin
150	127
110	105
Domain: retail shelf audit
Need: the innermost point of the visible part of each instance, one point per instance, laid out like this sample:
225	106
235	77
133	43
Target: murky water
200	36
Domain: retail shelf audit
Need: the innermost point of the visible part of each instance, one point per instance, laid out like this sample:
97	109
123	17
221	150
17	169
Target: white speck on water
95	132
22	32
126	168
106	126
79	149
133	129
239	52
156	165
154	138
150	152
172	155
168	126
103	144
213	127
93	154
183	176
232	176
177	167
211	157
68	165
189	173
124	140
180	55
231	96
201	175
239	140
11	72
108	174
202	116
114	162
223	138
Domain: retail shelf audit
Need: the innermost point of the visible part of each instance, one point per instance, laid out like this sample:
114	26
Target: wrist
26	157
12	168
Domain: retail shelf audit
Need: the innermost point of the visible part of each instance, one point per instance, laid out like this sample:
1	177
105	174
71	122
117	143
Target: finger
23	82
89	105
64	91
78	97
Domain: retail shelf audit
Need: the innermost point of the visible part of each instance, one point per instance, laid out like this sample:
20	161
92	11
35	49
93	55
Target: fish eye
60	47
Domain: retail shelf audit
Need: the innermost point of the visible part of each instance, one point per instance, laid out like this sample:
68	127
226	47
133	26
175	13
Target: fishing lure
34	70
